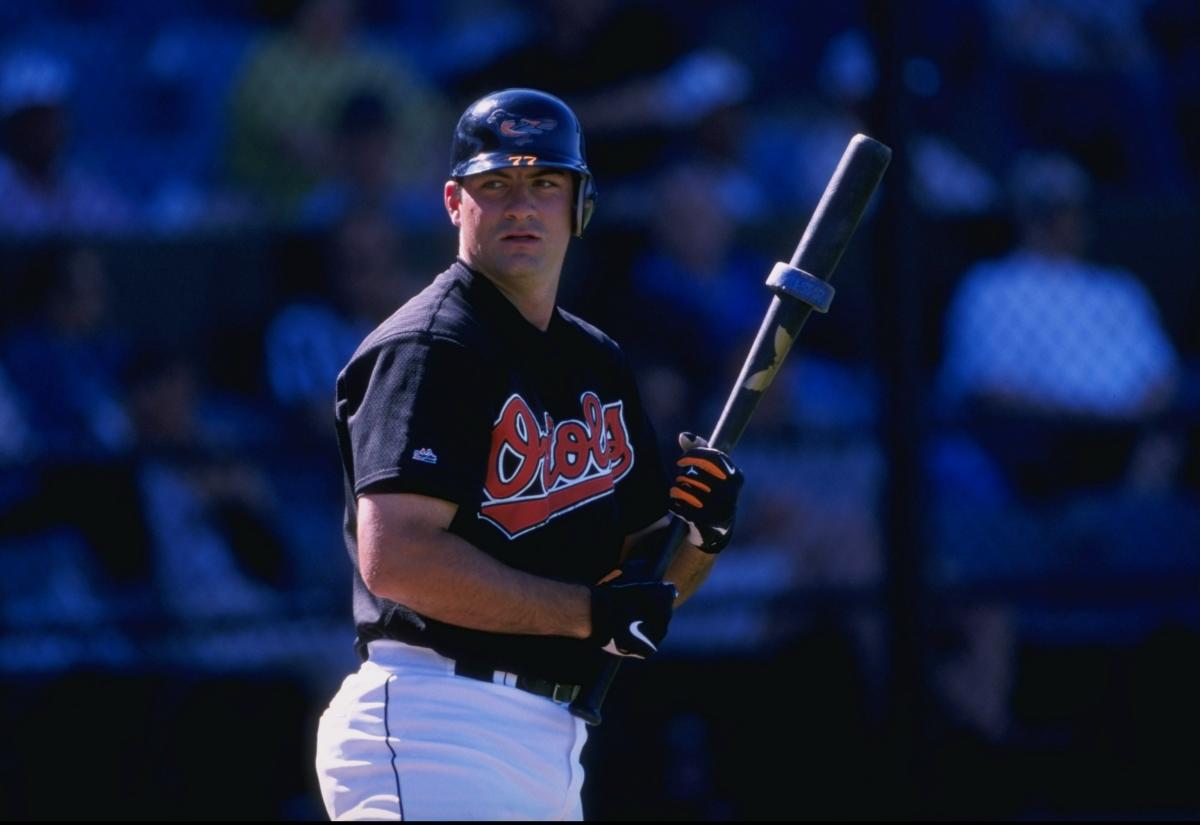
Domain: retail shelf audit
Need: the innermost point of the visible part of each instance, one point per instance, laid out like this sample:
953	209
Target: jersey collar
501	310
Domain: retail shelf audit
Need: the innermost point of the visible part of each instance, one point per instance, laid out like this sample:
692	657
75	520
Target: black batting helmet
524	127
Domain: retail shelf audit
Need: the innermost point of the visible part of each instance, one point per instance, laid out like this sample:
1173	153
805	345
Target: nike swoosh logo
729	468
637	634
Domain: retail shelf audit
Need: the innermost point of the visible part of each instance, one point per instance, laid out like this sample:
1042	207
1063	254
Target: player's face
513	223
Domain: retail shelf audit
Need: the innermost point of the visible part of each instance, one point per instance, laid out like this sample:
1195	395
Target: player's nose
521	203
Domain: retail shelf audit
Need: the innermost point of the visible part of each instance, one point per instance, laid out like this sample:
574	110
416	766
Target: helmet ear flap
585	204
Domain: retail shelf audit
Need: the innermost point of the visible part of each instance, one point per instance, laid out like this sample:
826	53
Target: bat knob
880	153
588	714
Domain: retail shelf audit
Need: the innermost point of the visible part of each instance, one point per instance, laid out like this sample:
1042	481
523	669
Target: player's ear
452	198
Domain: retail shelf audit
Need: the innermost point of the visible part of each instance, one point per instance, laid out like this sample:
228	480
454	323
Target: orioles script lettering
539	470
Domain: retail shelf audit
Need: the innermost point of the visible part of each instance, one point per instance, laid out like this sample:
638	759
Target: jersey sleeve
642	493
412	419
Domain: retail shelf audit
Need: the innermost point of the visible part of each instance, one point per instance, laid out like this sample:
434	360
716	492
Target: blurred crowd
204	206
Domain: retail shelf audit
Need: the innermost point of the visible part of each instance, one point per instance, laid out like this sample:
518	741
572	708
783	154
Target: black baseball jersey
540	438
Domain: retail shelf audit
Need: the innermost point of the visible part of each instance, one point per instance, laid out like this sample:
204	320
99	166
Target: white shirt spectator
1061	334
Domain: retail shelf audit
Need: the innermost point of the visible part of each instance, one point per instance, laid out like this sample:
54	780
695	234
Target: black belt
538	687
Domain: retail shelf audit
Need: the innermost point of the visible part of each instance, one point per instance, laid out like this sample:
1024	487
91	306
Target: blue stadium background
967	577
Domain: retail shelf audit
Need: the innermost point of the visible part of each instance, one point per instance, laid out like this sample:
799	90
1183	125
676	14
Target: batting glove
630	612
705	493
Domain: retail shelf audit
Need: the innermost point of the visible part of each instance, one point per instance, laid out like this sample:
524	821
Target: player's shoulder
587	334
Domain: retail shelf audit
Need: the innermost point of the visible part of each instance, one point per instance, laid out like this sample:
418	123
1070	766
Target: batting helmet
524	127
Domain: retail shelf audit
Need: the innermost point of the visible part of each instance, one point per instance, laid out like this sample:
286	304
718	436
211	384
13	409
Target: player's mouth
520	237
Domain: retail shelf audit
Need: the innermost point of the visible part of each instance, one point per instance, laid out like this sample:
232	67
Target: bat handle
587	707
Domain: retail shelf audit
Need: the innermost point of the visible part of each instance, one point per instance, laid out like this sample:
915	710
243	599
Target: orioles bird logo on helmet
523	129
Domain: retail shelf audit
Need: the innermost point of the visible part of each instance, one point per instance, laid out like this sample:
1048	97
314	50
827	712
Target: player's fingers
610	575
710	467
693	482
687	498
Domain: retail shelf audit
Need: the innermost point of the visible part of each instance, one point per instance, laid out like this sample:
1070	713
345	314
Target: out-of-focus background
966	581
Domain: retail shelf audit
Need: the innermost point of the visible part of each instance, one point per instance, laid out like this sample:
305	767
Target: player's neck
533	295
535	300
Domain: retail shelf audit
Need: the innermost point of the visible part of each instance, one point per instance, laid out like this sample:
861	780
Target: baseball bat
799	287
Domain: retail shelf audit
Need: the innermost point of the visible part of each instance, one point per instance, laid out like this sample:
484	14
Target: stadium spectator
209	516
42	191
694	274
1057	371
290	93
65	359
1055	359
664	88
364	171
311	339
1100	57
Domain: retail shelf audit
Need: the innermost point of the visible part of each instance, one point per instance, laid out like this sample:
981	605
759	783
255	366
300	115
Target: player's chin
522	262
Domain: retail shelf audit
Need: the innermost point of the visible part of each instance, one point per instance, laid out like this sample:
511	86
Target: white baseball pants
405	738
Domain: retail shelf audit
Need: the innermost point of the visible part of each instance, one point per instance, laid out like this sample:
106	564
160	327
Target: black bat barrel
820	249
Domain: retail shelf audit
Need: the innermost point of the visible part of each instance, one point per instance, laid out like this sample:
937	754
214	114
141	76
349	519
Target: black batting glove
631	611
705	493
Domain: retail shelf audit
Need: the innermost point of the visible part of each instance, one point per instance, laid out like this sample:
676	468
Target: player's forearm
444	577
688	570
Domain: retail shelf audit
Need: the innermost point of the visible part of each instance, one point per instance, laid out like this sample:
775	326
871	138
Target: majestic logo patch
538	472
523	129
426	455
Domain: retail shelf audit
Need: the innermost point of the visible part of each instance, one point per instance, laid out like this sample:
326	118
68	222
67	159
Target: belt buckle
564	693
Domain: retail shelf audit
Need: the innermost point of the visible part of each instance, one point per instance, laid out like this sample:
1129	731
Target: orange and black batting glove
705	493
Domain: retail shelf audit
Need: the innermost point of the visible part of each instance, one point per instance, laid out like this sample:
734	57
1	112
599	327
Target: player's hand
631	611
705	493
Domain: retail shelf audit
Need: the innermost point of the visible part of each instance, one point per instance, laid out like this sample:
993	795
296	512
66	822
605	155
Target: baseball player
502	485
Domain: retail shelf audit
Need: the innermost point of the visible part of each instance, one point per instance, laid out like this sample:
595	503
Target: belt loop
565	693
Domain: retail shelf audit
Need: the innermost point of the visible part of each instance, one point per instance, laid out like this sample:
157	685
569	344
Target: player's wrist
584	626
709	539
599	614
